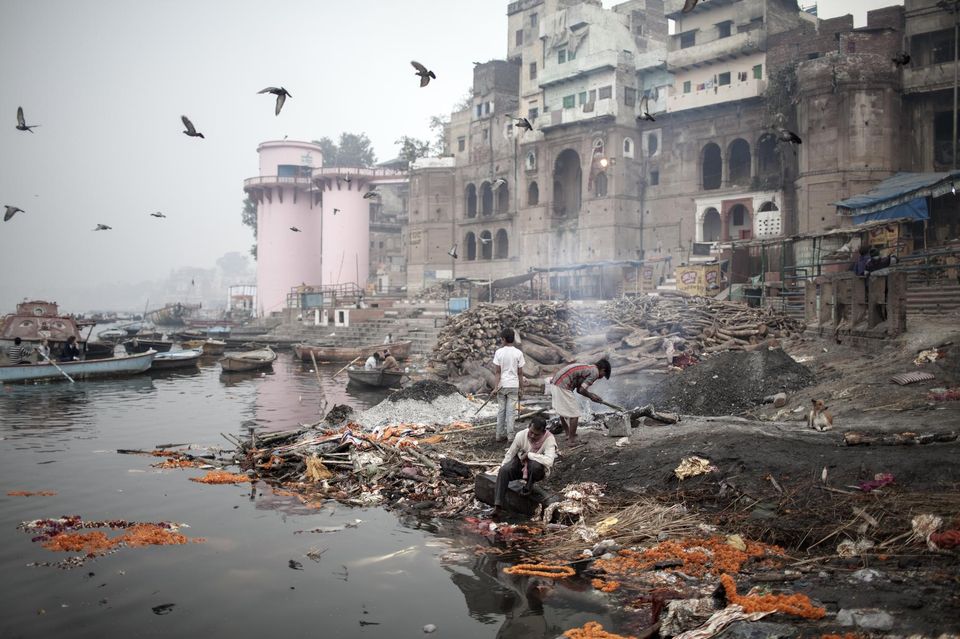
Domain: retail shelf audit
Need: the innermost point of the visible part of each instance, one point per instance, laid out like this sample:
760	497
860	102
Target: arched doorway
567	185
768	159
486	246
741	223
711	225
503	198
711	167
486	199
471	200
738	162
470	243
501	246
600	185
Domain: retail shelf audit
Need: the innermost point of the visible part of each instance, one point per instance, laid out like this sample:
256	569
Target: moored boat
176	359
209	346
138	345
248	361
400	350
110	367
375	378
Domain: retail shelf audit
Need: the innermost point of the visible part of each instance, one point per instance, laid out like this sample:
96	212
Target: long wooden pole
345	367
63	372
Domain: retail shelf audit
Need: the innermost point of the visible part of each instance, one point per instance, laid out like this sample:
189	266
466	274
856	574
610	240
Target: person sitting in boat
43	351
388	339
70	351
389	362
18	354
372	363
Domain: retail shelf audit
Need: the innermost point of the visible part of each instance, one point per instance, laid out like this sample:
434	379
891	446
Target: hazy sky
107	80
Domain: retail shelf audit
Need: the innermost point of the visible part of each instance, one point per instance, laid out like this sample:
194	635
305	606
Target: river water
387	577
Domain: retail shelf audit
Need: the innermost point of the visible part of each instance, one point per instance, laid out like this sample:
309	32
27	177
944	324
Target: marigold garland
604	585
593	630
550	571
697	556
31	493
178	463
220	477
798	604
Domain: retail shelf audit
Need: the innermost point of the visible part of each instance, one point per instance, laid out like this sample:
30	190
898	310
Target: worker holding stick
508	362
575	378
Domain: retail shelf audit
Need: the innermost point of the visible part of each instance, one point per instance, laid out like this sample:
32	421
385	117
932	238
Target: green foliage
354	149
249	218
438	126
781	94
413	148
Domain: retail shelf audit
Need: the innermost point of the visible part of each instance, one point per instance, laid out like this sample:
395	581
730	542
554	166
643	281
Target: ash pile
730	382
424	402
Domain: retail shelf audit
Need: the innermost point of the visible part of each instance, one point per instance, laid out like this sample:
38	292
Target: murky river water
385	578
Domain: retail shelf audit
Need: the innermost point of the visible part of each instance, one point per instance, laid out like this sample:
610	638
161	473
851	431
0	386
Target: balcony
935	77
275	180
554	73
739	44
751	88
563	117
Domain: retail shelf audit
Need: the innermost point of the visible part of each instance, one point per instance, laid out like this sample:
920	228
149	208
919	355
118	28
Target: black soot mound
730	382
425	390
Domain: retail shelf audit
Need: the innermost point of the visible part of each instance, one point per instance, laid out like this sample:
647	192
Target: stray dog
819	418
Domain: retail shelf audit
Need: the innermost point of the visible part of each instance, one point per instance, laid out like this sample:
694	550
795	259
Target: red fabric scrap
946	539
879	481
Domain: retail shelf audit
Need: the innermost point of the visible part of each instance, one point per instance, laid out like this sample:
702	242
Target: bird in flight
689	6
294	229
645	110
901	59
423	72
369	195
22	124
335	211
499	182
11	211
157	214
282	95
785	135
103	227
191	130
523	123
347	179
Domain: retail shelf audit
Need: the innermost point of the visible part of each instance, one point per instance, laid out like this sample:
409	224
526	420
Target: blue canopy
902	196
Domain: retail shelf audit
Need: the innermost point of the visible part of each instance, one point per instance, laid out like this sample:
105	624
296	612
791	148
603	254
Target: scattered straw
798	604
593	630
220	477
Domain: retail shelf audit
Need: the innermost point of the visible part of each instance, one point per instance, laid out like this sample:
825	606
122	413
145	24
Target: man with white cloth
530	457
509	363
568	380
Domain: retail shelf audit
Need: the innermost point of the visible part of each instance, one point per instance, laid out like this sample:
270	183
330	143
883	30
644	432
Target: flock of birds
425	75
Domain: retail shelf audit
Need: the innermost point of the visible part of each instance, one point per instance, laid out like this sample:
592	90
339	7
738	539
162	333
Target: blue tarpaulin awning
902	196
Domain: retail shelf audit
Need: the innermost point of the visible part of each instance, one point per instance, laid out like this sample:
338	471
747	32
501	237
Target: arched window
738	167
711	167
503	198
486	199
531	161
627	148
486	246
502	248
600	185
567	184
471	200
533	194
653	144
598	147
470	242
769	206
711	225
768	160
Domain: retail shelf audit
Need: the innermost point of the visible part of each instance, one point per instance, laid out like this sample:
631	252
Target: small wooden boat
99	350
400	350
176	359
209	346
110	367
248	361
138	345
376	378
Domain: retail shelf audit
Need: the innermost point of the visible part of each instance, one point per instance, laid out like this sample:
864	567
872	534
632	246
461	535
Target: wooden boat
138	345
99	350
110	367
400	350
248	361
376	378
176	359
209	346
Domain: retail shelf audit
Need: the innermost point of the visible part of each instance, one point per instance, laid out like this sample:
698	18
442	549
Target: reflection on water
239	582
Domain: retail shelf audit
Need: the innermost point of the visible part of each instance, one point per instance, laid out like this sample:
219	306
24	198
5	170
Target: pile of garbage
730	382
425	403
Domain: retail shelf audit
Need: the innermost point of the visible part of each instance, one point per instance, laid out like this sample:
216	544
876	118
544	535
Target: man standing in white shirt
509	363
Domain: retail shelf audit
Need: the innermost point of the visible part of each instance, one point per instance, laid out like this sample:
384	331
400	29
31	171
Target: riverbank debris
221	477
31	493
547	571
593	630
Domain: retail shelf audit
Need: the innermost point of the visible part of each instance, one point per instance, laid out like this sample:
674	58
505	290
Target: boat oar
63	372
316	369
345	367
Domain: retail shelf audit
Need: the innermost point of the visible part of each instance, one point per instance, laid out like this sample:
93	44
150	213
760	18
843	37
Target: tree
412	148
249	218
354	149
438	125
328	149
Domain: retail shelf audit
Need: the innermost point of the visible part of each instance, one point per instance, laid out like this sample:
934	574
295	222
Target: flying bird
499	182
282	95
453	251
523	123
901	59
785	135
22	124
370	194
11	211
645	110
103	227
689	5
335	211
191	130
423	72
347	179
294	229
157	214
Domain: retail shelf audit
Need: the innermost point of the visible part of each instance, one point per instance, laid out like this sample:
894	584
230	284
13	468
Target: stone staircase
936	296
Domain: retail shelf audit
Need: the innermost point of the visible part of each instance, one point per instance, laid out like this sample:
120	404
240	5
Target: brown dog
819	418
